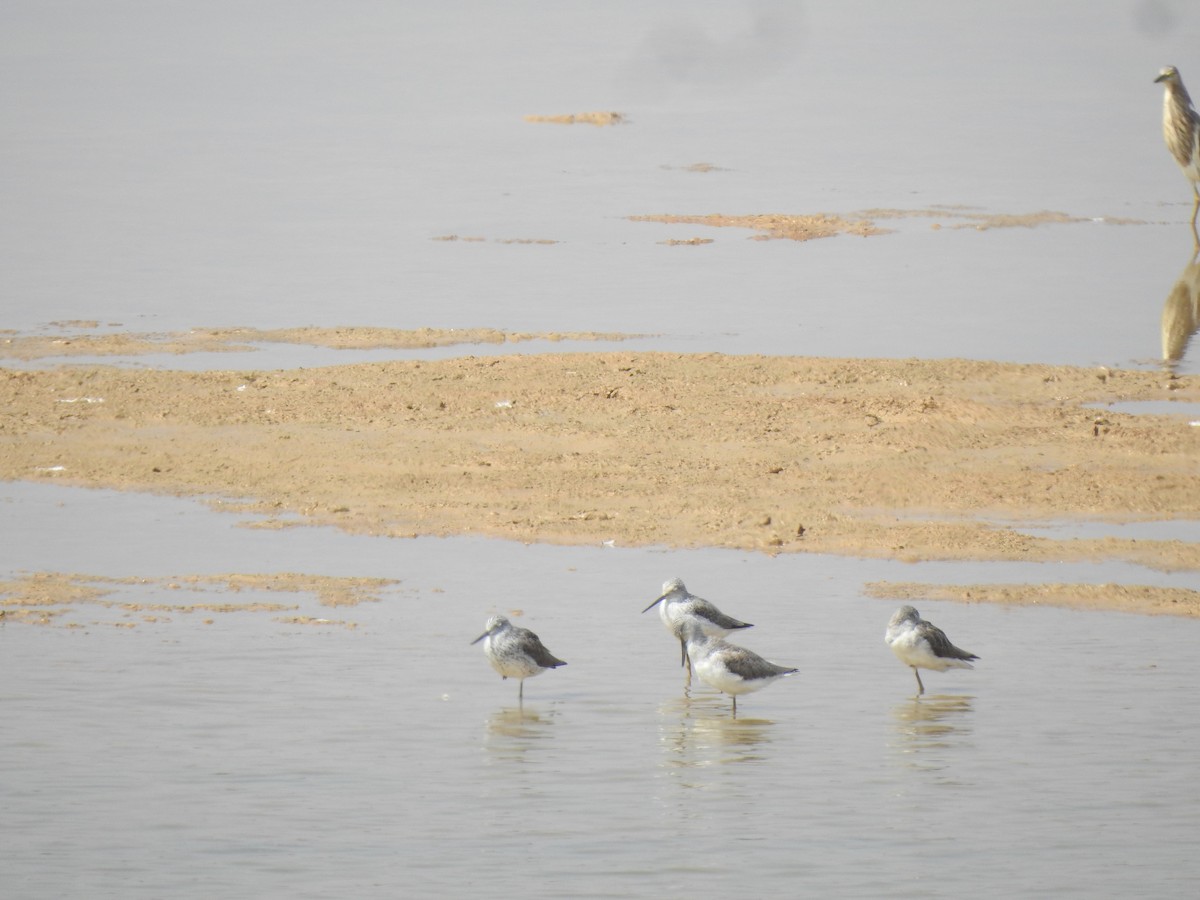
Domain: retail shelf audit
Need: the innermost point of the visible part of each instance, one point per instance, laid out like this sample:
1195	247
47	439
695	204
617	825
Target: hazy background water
170	165
173	165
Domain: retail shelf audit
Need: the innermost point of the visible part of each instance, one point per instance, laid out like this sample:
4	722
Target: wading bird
515	652
1181	130
730	669
920	644
679	607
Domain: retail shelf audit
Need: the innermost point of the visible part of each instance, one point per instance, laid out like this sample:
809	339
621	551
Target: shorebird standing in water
679	607
730	669
1181	130
919	644
515	652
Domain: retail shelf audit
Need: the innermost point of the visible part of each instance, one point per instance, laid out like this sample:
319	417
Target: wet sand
80	339
778	226
908	459
1107	597
40	598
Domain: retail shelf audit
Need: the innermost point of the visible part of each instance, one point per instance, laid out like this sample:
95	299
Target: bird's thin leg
1195	209
735	706
920	687
683	657
521	691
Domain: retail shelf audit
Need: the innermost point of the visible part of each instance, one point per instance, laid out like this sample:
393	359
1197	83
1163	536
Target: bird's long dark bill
1161	78
654	604
480	638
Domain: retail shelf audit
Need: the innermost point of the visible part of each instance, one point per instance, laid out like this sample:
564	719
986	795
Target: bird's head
494	624
674	586
904	614
1169	74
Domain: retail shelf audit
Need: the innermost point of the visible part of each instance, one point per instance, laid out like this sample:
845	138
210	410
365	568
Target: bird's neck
698	639
1176	93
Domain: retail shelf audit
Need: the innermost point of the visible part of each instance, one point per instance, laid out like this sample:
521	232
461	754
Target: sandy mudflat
780	226
1109	597
40	597
79	339
601	118
910	459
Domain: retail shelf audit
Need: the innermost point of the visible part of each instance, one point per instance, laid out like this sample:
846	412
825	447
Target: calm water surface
256	757
169	167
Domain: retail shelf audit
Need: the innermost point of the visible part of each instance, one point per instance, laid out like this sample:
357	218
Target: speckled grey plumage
921	644
515	652
679	607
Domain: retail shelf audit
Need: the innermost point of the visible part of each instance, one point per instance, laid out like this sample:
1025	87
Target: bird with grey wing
1181	130
515	652
922	645
729	668
680	607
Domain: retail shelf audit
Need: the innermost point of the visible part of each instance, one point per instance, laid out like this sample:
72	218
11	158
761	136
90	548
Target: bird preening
922	645
1181	130
700	626
730	669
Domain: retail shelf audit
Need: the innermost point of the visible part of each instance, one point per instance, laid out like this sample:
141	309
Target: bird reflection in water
1181	313
512	732
697	732
927	726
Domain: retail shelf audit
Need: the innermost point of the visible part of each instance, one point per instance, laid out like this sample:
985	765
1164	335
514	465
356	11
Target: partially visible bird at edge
515	652
1181	130
922	645
679	607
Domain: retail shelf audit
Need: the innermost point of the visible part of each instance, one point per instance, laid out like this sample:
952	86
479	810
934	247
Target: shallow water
278	169
1154	407
254	756
171	167
1187	530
